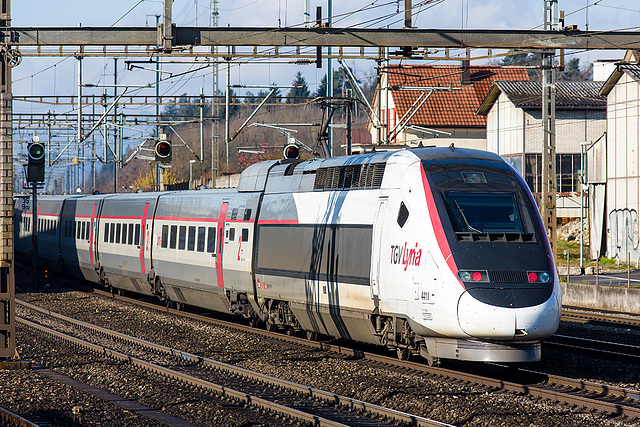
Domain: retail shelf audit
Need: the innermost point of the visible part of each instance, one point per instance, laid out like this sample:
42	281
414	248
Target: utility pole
330	77
548	202
8	351
215	111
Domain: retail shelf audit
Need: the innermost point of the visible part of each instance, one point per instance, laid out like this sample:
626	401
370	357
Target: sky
49	76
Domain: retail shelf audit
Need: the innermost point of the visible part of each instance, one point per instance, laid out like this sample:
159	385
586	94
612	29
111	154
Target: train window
211	240
403	215
173	237
165	236
232	234
88	231
191	243
83	232
247	214
124	234
136	235
112	232
234	214
130	239
118	232
182	237
78	229
245	234
201	235
106	232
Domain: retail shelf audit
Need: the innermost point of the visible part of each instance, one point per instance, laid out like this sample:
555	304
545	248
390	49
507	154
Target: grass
573	249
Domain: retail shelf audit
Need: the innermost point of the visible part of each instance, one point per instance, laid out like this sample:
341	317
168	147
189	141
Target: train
434	252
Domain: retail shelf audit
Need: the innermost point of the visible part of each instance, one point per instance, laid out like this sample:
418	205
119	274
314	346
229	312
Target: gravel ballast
417	394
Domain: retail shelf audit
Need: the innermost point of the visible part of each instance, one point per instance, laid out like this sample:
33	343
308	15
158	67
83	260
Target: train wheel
403	353
312	335
269	326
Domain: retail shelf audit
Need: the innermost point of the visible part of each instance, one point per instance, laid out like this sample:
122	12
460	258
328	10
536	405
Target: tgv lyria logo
401	254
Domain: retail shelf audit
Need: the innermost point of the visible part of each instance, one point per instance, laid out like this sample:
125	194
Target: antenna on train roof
451	147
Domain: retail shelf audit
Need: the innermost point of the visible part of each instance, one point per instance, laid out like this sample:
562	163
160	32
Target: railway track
609	350
297	402
594	396
572	314
9	419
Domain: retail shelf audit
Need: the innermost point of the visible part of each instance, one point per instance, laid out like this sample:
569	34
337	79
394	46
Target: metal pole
227	99
330	77
34	234
79	106
628	269
548	201
115	121
581	208
215	112
201	124
349	142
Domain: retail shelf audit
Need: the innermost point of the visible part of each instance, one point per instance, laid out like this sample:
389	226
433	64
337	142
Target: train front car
483	279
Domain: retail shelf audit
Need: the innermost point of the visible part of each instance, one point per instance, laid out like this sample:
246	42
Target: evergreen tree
300	90
572	72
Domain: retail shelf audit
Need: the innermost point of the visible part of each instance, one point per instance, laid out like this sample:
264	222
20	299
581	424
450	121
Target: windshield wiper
464	218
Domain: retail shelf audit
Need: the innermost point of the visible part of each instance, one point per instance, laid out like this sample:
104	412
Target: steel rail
555	388
234	370
609	318
595	347
9	419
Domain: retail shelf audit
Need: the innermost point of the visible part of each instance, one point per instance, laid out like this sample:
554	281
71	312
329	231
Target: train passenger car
202	247
122	230
48	229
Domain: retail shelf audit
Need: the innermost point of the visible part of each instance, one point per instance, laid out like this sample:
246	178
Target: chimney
465	76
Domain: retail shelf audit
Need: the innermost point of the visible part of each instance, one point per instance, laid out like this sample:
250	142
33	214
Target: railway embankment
601	297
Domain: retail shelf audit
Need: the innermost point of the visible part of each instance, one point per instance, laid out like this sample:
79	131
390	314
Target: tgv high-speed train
433	251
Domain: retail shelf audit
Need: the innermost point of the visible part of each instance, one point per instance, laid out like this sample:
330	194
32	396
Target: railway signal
35	166
163	150
291	151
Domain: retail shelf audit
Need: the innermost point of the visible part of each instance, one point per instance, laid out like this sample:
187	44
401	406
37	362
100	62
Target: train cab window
124	234
130	238
232	234
403	215
106	232
247	215
182	237
118	231
112	232
211	240
234	214
136	235
165	236
191	242
245	234
201	236
173	237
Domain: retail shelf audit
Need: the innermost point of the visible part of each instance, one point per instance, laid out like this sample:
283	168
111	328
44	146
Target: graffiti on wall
623	228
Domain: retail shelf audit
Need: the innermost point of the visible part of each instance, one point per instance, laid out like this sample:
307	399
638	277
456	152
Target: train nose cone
481	320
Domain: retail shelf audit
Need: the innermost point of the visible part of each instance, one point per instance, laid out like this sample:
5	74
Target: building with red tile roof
436	104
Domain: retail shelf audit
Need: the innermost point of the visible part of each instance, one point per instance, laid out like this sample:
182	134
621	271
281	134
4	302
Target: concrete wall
602	297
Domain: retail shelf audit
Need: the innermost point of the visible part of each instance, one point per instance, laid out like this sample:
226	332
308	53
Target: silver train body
430	251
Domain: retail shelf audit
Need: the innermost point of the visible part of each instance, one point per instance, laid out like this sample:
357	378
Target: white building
514	130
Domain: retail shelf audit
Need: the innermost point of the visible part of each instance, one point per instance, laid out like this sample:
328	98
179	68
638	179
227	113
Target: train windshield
482	198
484	212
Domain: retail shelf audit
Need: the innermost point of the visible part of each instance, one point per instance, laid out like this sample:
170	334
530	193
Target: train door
221	241
376	246
93	247
143	238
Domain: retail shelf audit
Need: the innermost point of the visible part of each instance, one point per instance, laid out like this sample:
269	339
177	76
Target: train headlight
473	275
538	277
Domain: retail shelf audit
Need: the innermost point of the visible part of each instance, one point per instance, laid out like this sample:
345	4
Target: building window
567	172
